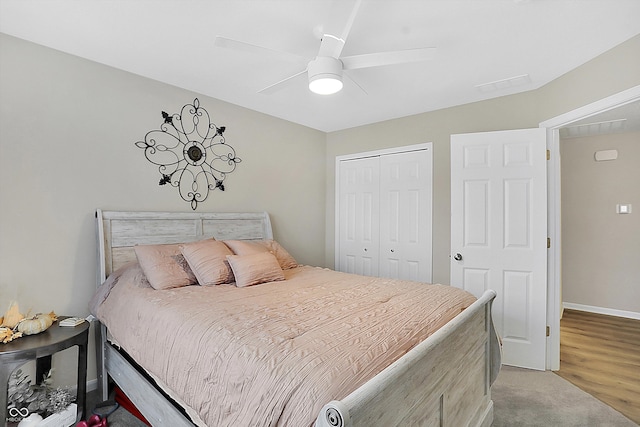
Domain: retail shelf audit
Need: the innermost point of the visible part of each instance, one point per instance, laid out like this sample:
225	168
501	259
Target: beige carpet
521	397
524	397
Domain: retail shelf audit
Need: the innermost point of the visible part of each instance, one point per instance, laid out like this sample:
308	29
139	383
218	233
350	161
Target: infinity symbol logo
15	412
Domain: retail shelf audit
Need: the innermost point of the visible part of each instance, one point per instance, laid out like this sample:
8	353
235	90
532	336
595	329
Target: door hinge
548	242
548	331
548	154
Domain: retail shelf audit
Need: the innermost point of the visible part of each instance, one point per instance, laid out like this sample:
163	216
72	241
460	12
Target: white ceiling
522	44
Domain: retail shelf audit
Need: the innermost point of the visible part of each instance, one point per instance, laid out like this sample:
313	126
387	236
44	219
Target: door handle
458	256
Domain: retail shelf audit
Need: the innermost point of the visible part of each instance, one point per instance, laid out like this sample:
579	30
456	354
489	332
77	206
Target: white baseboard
91	386
601	310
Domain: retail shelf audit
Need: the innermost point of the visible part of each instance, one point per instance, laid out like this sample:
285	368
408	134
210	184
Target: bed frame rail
428	386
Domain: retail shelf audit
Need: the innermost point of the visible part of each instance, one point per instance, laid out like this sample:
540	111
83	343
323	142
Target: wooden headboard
119	232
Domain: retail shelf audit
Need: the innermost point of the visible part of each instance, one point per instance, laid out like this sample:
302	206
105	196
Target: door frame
554	209
393	150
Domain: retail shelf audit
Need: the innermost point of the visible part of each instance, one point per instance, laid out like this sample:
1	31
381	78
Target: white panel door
405	215
499	233
358	221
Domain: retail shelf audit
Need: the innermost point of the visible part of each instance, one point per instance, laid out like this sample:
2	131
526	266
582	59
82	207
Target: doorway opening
554	266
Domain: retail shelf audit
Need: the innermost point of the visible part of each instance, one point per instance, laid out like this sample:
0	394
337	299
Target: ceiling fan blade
336	34
331	46
281	84
238	45
388	58
347	28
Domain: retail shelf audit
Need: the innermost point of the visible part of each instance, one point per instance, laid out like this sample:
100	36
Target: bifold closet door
405	216
358	219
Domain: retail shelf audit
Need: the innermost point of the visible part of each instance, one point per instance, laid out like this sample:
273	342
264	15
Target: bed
309	347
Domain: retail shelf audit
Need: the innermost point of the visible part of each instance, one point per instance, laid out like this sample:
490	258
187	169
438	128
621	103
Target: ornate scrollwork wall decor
191	153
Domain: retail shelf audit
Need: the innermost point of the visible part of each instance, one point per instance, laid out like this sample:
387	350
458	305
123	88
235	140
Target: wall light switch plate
623	209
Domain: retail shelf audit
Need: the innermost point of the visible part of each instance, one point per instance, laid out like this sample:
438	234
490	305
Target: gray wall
68	129
609	73
600	248
67	133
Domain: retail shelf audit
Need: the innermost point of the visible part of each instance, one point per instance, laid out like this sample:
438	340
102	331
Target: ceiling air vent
504	83
590	129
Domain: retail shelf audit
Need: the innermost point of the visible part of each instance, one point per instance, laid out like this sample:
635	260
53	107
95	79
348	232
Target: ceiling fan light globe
325	84
325	75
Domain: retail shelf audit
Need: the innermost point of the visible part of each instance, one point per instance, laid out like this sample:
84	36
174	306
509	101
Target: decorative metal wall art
191	153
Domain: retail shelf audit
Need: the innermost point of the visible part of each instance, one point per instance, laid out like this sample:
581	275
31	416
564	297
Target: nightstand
41	347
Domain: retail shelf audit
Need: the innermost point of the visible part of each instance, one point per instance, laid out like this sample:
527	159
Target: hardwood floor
601	355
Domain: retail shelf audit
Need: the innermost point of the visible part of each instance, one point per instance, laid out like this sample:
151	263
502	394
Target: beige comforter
271	354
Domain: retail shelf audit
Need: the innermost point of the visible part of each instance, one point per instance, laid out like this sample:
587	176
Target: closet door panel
405	215
358	222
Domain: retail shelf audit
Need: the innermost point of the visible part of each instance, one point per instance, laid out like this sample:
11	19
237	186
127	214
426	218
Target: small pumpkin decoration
36	324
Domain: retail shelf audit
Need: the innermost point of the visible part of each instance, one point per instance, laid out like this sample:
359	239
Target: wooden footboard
443	381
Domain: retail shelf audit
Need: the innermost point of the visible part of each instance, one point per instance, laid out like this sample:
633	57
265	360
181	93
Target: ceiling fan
325	71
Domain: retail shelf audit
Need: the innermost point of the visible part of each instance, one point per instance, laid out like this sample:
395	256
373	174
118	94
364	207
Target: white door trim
554	266
382	152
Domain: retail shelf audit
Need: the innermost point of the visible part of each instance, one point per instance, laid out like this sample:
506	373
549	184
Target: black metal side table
41	347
